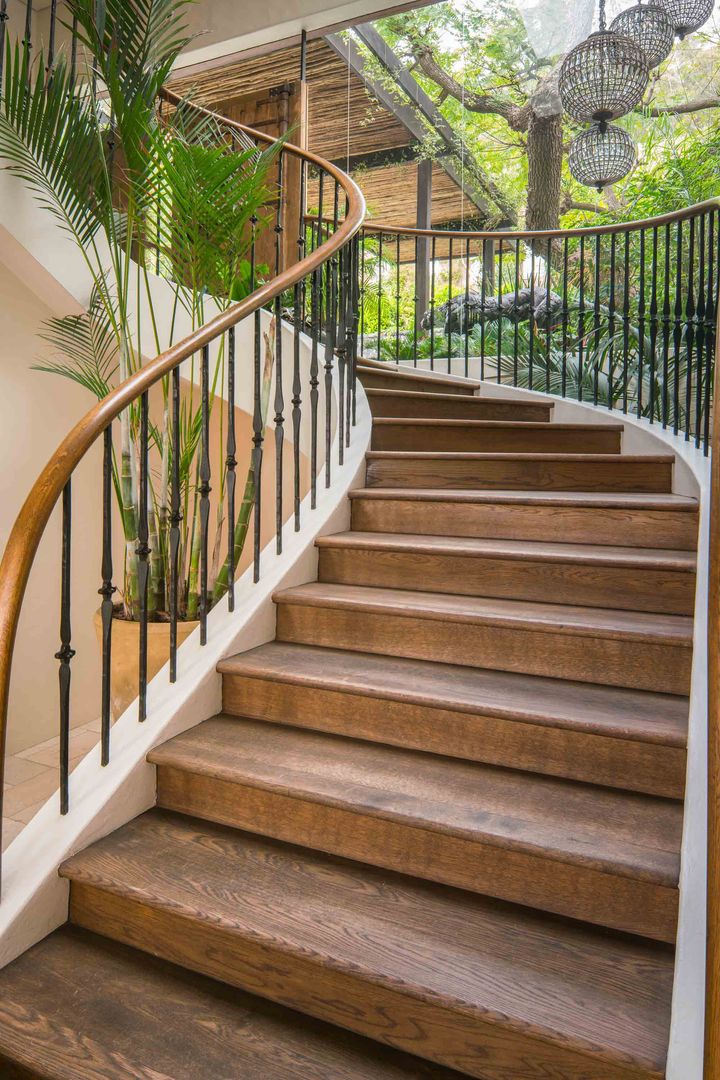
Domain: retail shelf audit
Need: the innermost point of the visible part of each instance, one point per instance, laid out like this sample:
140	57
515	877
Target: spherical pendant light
687	15
601	155
604	76
649	26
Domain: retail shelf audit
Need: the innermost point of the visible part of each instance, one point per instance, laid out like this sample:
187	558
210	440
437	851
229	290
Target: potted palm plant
144	192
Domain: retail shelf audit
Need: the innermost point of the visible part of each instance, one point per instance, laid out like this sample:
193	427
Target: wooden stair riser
380	380
674	530
455	407
641	907
628	764
545	474
461	438
629	588
611	661
463	1040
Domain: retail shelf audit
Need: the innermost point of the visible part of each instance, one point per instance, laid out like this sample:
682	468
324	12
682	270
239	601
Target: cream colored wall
36	411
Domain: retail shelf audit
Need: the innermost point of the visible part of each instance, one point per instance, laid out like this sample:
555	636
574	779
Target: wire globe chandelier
601	155
603	77
649	26
687	16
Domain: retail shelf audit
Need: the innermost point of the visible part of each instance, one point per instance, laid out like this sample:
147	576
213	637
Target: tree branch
517	116
569	203
686	107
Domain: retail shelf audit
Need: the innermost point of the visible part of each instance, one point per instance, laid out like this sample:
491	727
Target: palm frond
86	347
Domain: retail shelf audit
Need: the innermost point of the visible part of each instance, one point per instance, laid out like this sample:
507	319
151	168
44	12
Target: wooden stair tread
80	1007
541	551
437	395
428	455
602	995
491	425
553	618
629	835
621	500
611	711
423	377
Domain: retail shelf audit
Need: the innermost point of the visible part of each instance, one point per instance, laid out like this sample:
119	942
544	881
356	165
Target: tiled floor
31	777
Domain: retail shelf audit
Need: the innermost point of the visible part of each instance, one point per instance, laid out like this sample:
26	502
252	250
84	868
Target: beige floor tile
55	741
10	829
94	725
80	743
18	770
39	789
23	816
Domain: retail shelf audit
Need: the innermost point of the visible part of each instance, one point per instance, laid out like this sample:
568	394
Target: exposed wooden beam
406	115
378	46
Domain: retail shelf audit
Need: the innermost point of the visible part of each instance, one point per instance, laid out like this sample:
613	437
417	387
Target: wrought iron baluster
611	322
677	327
666	329
176	517
66	652
363	254
710	333
3	33
355	286
531	320
449	306
50	60
258	438
641	326
416	302
548	320
27	37
231	468
626	320
483	294
314	383
689	326
596	318
330	331
700	331
466	319
397	299
296	407
279	216
279	421
106	590
433	307
516	326
654	323
204	491
499	322
581	321
379	303
340	349
142	551
565	313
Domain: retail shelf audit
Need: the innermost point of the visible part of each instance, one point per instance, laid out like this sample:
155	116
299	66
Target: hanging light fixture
649	26
601	155
603	77
687	15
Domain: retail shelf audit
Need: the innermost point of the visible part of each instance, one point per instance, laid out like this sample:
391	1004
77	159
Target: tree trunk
545	157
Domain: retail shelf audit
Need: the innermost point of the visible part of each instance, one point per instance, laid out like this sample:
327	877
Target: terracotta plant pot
124	661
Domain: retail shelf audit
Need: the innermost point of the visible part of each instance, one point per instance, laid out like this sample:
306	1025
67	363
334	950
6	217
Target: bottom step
494	991
80	1007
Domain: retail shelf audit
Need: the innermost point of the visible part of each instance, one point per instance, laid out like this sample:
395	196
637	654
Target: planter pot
124	659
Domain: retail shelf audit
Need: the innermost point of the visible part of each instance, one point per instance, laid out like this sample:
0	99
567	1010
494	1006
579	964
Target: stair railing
622	316
313	302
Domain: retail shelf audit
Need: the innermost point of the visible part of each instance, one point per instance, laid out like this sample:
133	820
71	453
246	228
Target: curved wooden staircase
440	814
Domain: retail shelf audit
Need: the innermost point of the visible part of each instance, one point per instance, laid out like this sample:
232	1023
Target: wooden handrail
712	972
32	520
544	234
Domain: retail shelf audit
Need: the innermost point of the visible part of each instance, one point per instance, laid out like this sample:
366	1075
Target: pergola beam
406	115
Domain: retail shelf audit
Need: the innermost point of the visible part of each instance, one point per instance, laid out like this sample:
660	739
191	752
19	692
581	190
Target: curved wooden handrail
32	520
544	234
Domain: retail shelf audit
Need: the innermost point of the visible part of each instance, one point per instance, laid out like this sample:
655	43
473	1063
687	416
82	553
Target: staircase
436	830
